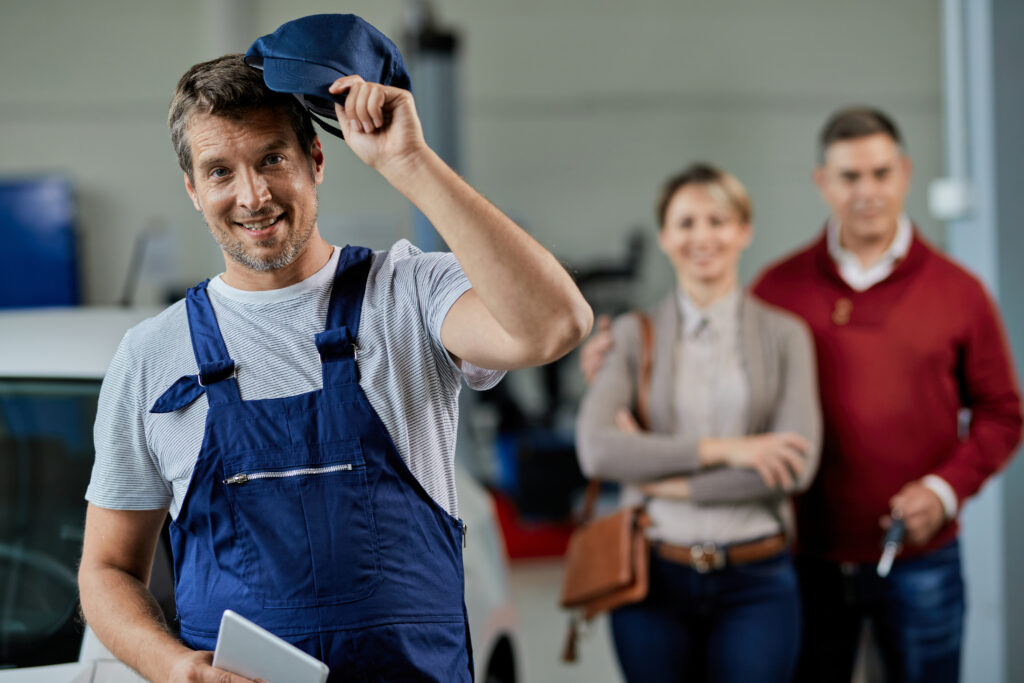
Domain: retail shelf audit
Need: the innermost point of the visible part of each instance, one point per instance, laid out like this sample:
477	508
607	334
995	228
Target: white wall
575	111
609	98
84	91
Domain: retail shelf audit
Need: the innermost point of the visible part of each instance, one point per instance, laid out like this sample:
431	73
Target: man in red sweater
906	341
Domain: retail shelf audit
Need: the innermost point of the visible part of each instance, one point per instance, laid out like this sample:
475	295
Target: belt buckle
706	557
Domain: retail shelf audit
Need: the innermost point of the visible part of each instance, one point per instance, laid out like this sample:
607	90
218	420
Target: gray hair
229	87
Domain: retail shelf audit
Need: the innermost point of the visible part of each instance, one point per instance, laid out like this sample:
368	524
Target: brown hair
229	87
723	187
852	123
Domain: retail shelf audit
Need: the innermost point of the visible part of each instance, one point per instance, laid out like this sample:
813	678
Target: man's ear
818	176
908	167
192	193
316	153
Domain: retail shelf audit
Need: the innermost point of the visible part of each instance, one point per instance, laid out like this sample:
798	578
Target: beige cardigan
779	360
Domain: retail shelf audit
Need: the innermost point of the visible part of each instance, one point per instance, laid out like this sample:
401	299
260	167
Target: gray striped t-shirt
144	461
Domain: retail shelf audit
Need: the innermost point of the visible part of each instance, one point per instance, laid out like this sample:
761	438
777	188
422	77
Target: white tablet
252	651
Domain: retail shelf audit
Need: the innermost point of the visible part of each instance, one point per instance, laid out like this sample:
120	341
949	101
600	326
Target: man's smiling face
865	182
255	186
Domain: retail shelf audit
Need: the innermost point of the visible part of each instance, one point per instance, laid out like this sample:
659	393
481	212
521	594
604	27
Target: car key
891	545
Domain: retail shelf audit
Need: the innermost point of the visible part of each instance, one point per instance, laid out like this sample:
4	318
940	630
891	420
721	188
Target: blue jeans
916	615
740	623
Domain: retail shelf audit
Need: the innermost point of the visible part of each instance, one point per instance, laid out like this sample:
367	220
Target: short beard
293	246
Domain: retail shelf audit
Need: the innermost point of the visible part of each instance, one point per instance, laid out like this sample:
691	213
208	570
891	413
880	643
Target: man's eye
218	172
273	159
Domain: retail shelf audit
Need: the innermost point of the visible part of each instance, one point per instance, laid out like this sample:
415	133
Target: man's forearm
128	621
520	283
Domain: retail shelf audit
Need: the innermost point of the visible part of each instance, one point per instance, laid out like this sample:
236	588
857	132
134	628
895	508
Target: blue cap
305	56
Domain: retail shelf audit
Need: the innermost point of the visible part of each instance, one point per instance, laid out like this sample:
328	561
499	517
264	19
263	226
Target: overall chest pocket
305	522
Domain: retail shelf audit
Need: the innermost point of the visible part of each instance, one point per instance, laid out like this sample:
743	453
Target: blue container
37	217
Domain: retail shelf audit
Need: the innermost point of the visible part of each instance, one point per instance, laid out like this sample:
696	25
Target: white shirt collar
269	296
721	315
850	269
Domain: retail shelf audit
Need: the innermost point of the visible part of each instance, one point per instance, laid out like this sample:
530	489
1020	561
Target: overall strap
216	369
216	376
337	344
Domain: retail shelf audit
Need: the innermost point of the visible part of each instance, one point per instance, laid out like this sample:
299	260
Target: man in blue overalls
296	414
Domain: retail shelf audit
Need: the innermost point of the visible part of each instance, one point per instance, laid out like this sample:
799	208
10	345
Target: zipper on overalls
243	477
465	532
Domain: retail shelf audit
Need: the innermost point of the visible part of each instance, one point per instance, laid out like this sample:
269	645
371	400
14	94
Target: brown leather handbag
607	563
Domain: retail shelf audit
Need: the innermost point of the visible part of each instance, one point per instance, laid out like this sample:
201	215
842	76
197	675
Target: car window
46	456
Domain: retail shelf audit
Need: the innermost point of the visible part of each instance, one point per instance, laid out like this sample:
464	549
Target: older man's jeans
739	624
916	617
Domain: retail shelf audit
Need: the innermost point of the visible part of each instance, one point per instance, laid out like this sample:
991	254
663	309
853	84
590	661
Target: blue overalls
302	516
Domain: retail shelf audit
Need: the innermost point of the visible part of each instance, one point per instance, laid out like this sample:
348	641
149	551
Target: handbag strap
644	368
643	402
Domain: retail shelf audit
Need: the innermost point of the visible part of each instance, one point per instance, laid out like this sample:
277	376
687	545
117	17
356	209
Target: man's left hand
379	122
922	512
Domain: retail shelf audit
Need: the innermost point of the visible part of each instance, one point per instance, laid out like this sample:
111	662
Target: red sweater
896	363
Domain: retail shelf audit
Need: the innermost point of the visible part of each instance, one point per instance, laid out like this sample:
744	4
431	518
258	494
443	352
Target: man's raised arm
524	309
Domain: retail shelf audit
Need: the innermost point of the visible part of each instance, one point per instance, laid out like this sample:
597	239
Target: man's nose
867	188
253	191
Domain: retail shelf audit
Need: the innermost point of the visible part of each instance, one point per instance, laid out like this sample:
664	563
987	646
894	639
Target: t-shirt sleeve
440	282
125	474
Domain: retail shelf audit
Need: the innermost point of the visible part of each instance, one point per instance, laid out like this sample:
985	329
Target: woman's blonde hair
723	187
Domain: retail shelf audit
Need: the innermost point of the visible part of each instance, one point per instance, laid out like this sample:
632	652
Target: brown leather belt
705	557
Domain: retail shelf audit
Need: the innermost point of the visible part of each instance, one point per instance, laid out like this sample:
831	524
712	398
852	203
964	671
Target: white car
51	364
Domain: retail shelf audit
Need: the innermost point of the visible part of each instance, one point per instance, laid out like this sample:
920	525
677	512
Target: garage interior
567	116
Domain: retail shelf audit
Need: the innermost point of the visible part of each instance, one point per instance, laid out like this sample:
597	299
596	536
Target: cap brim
296	76
309	82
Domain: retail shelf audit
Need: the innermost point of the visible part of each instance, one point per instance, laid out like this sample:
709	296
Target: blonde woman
734	431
